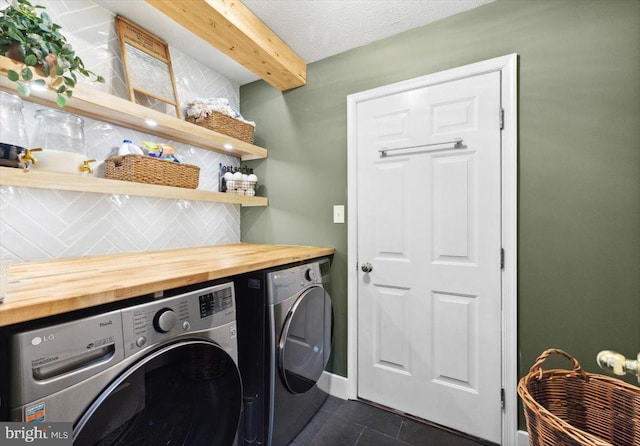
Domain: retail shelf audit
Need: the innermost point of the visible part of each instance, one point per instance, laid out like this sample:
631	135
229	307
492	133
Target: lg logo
39	340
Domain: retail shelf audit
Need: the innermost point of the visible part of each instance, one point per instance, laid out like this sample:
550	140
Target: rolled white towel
201	108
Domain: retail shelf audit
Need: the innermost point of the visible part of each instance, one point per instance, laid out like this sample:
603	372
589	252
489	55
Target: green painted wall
579	160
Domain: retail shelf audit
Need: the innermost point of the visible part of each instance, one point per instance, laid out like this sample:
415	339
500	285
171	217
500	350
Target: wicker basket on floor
226	125
572	407
144	169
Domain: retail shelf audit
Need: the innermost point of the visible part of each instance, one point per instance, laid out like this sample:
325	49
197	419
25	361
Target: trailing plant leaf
61	101
54	47
35	38
12	76
27	74
37	53
46	19
23	89
30	60
15	34
57	82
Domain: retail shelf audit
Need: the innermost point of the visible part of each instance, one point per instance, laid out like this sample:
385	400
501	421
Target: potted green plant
28	34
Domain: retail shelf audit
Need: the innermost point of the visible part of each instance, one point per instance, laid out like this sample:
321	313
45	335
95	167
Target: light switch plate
338	213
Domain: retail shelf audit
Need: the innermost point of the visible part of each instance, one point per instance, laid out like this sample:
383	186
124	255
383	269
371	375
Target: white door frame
507	65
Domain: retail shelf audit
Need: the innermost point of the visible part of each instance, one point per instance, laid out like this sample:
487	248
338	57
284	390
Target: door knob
367	267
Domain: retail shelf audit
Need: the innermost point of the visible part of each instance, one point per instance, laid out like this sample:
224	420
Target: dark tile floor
354	423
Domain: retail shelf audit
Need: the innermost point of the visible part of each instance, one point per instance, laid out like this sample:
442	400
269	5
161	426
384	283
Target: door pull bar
457	144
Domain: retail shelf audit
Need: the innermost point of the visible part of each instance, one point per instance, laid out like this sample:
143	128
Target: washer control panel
150	323
215	301
285	283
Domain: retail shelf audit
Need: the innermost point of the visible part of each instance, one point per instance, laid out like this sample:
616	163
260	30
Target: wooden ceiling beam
233	29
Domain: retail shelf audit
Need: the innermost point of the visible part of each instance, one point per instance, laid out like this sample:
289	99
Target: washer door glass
305	343
188	393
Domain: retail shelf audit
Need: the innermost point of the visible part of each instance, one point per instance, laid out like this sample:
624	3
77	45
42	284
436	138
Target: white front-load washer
163	372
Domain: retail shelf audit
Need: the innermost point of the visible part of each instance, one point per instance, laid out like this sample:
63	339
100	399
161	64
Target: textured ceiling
314	29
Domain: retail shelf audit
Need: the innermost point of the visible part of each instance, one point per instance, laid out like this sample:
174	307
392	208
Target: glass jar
58	130
13	130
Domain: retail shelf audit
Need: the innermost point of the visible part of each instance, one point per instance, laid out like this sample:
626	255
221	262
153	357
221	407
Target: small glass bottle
13	130
58	130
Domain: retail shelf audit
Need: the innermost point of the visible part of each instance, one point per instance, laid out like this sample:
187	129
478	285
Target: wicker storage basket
225	124
144	169
572	407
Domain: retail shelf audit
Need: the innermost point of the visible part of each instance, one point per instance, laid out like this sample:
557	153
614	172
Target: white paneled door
429	322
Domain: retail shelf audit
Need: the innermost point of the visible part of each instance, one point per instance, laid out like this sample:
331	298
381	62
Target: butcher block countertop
49	287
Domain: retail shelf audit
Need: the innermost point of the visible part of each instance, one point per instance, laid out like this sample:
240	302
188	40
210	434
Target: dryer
163	372
285	335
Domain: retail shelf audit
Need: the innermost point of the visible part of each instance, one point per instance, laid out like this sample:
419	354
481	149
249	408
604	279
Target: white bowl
59	161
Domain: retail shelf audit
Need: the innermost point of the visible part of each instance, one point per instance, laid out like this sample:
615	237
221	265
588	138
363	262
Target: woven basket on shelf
226	125
144	169
575	408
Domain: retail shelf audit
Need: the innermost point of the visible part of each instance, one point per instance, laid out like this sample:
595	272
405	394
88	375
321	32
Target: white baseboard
523	438
334	385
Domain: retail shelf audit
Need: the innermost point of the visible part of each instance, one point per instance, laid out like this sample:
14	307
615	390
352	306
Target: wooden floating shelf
103	106
60	181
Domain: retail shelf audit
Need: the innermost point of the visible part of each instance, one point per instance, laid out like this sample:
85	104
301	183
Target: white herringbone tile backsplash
44	224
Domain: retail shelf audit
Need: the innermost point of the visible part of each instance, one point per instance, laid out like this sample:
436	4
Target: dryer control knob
165	320
310	275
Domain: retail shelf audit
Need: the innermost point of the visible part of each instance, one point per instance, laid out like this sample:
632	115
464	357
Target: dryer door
305	342
187	393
